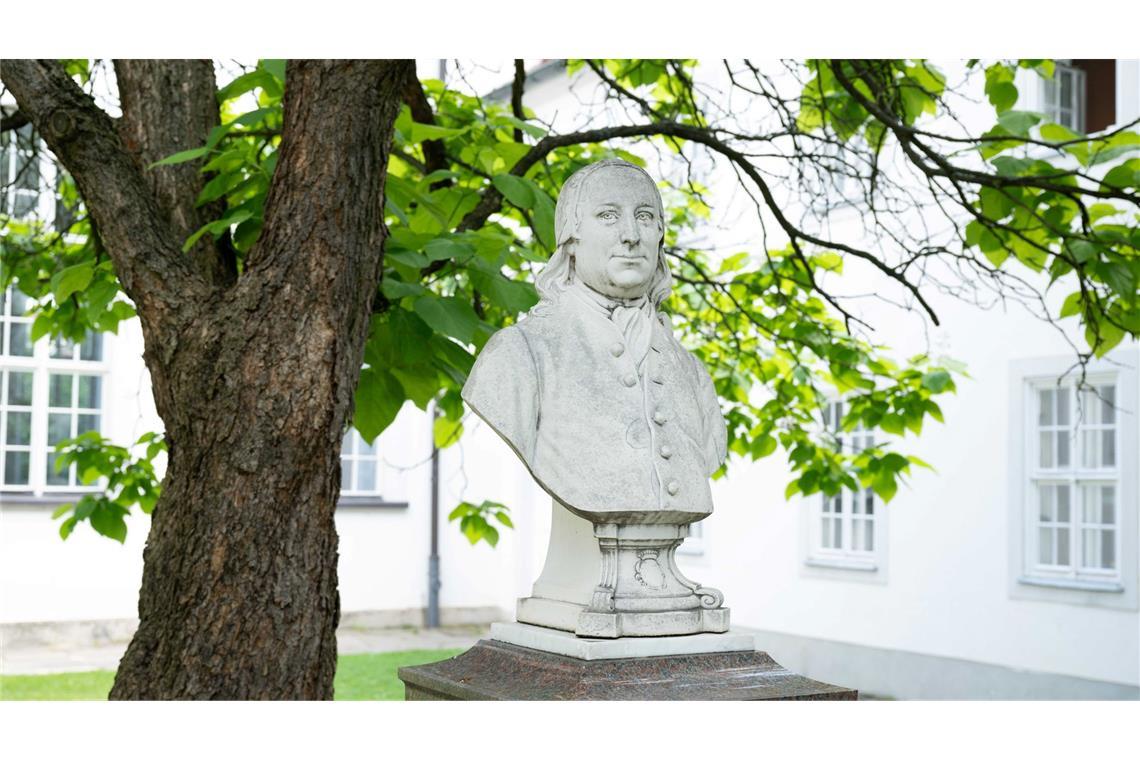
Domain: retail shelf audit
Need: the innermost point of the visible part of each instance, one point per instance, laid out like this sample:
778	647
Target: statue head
610	233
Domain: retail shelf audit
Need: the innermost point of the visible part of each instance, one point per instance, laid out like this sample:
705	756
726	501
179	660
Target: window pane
1090	549
869	501
1063	546
20	388
20	343
1046	447
366	475
1062	503
1091	455
1108	549
20	303
346	442
1108	448
869	535
1046	499
1045	544
59	427
19	428
89	396
16	468
87	422
91	349
1066	99
62	348
1108	505
363	447
1108	404
59	390
346	475
1045	407
1062	448
55	478
1062	406
838	536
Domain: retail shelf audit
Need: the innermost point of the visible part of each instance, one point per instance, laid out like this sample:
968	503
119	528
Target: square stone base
571	645
493	670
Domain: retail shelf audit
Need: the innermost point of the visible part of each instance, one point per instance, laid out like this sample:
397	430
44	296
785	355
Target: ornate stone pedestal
495	670
611	580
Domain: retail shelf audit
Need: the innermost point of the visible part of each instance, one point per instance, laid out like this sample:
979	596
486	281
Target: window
50	390
845	530
19	172
359	466
1074	481
1081	95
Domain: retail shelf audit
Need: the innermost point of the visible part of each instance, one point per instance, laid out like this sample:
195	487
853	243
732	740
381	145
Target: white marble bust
613	417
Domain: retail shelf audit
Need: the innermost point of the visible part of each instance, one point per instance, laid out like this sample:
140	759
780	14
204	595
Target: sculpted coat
563	388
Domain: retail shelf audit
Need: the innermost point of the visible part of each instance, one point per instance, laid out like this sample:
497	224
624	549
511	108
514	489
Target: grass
358	677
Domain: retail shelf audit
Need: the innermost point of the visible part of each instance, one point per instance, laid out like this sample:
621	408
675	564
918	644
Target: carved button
630	380
659	417
617	349
673	487
666	451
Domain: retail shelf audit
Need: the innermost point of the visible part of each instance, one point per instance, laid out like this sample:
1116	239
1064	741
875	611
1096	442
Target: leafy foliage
470	206
475	520
129	481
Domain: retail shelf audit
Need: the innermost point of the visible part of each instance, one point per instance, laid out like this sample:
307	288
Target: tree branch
13	121
170	106
517	96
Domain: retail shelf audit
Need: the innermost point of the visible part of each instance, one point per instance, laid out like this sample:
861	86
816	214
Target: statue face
619	237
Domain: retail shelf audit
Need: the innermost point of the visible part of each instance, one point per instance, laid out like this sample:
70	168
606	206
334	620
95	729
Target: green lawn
358	676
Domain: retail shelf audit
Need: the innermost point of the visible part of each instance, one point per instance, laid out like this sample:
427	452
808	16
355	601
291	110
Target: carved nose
629	233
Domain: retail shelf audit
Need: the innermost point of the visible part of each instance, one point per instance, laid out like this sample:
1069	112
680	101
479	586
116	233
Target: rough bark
254	382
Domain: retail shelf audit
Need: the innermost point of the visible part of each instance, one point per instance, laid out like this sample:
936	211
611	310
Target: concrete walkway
34	658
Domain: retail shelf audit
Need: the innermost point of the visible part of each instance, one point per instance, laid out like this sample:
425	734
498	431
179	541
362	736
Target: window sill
1110	587
369	502
863	565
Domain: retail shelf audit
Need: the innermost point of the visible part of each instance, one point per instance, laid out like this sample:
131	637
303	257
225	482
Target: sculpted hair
559	271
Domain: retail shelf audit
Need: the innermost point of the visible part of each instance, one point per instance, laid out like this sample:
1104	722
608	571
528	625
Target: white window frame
844	561
41	365
1072	584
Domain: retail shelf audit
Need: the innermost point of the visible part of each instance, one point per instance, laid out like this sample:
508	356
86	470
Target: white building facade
1011	571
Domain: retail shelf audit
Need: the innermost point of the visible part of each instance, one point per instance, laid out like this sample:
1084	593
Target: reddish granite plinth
494	670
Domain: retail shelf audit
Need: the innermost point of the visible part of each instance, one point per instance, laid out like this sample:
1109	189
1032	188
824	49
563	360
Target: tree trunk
253	379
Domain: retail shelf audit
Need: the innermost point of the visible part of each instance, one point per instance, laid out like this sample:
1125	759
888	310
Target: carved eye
608	215
645	216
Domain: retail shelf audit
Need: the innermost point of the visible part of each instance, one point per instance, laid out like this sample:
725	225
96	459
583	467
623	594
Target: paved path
350	640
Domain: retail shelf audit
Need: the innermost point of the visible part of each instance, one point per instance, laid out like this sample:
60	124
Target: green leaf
379	397
420	382
73	279
514	189
181	157
504	518
108	521
936	381
395	289
448	315
421	132
441	249
544	220
446	431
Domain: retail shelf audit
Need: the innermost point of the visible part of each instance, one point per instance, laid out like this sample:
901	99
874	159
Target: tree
249	239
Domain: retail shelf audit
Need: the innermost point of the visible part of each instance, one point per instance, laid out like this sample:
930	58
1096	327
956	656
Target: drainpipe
433	559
